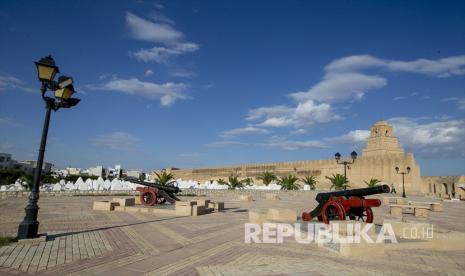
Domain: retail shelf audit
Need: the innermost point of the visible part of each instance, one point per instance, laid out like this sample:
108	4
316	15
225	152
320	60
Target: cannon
348	203
155	193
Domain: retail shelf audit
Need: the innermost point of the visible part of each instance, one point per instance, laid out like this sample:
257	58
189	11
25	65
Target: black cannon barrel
170	189
322	197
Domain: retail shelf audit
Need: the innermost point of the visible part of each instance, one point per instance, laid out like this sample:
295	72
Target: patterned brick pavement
86	242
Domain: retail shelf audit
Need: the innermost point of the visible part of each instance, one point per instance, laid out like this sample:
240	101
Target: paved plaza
86	242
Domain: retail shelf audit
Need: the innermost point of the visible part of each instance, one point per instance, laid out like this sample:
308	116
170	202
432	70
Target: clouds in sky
168	93
346	79
169	41
8	82
431	139
243	131
116	141
349	79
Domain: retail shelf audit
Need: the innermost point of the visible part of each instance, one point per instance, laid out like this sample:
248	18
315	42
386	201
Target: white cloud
183	73
9	122
444	67
225	143
352	137
116	141
243	131
443	138
267	112
460	102
340	86
168	93
294	145
304	114
142	29
148	73
399	98
160	32
8	82
163	54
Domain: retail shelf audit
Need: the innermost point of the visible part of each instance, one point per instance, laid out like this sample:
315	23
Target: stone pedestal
104	205
126	201
198	210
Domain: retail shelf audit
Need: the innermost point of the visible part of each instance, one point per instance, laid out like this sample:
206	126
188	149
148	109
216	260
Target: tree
288	182
373	182
310	180
267	177
248	181
221	181
165	178
234	182
338	181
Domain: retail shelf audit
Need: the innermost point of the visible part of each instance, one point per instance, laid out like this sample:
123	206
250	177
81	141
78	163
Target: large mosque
378	160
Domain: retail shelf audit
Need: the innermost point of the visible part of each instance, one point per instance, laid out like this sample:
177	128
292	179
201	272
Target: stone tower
382	141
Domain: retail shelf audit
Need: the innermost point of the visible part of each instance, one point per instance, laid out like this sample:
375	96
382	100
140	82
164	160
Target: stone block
245	198
436	207
421	212
186	203
183	210
258	216
104	205
198	210
137	200
281	214
125	201
217	206
395	211
203	202
270	196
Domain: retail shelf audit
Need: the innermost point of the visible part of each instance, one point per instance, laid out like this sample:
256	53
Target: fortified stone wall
379	160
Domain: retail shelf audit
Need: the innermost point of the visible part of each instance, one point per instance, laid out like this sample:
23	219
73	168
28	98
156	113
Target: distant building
72	171
5	161
134	173
46	167
99	171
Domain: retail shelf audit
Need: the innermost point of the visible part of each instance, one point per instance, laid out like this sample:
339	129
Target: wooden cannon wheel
332	211
148	197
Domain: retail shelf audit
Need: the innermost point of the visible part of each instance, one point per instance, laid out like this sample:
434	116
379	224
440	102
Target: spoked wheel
148	198
160	200
366	215
332	211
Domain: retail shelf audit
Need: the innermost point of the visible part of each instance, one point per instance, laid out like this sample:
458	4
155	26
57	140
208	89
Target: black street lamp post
63	90
403	174
353	155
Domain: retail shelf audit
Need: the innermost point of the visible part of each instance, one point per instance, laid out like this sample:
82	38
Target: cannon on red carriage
155	193
349	203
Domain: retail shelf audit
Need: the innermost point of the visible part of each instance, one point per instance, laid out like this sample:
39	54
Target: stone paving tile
115	243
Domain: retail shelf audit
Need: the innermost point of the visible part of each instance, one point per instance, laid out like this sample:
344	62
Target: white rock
57	187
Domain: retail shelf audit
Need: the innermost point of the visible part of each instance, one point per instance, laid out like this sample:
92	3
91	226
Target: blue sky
209	83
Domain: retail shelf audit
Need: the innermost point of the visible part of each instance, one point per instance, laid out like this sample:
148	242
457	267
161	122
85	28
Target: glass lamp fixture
46	69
